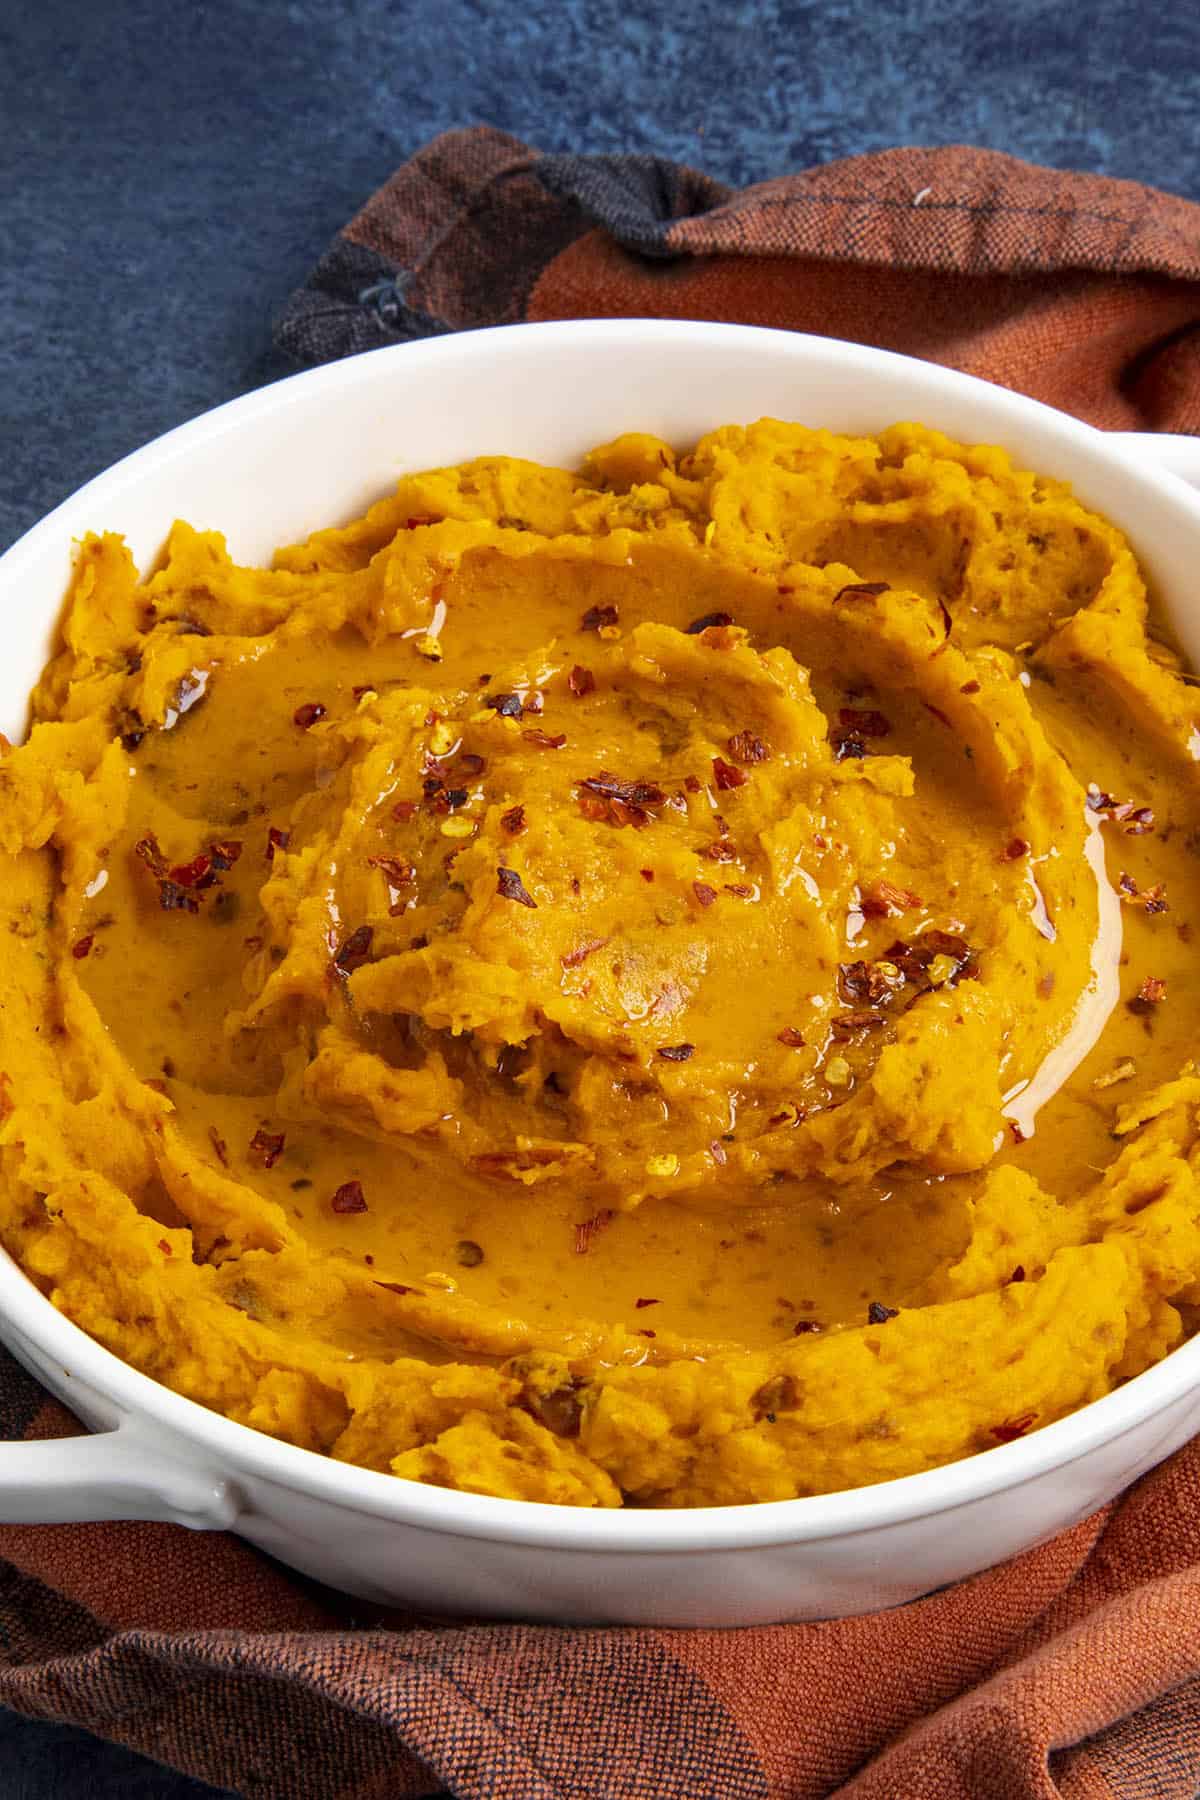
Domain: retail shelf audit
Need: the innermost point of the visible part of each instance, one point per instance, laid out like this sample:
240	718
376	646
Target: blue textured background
168	172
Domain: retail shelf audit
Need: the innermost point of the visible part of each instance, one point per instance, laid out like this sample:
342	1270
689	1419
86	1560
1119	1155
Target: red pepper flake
543	739
150	852
392	1287
947	621
646	874
643	1332
860	723
82	946
707	620
581	681
969	687
573	958
307	715
791	1037
355	949
590	1229
165	1247
605	796
403	811
864	982
268	1146
861	590
913	960
739	889
1018	1136
276	840
1018	1274
676	1052
398	873
507	705
719	852
1135	821
509	886
726	776
195	874
883	898
937	712
560	1411
1015	849
780	1394
219	1146
805	1325
1011	1429
349	1199
512	822
704	894
848	1025
1153	899
420	519
1152	993
596	617
224	853
744	747
640	1303
172	895
879	1314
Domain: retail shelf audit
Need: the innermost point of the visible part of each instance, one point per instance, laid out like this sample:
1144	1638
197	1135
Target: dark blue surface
168	172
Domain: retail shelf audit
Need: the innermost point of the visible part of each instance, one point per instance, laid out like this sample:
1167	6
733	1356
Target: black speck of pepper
879	1314
707	619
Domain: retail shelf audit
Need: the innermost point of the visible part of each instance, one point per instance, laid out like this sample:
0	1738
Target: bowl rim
30	1320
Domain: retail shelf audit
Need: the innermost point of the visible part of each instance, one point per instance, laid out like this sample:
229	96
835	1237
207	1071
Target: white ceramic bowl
267	469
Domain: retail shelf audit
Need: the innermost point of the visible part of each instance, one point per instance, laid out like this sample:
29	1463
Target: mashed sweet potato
660	985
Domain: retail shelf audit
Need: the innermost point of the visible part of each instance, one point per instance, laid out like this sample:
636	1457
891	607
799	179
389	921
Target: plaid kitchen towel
1073	1671
1077	289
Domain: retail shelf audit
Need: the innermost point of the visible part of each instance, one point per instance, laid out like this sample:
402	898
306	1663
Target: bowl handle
1170	450
119	1474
